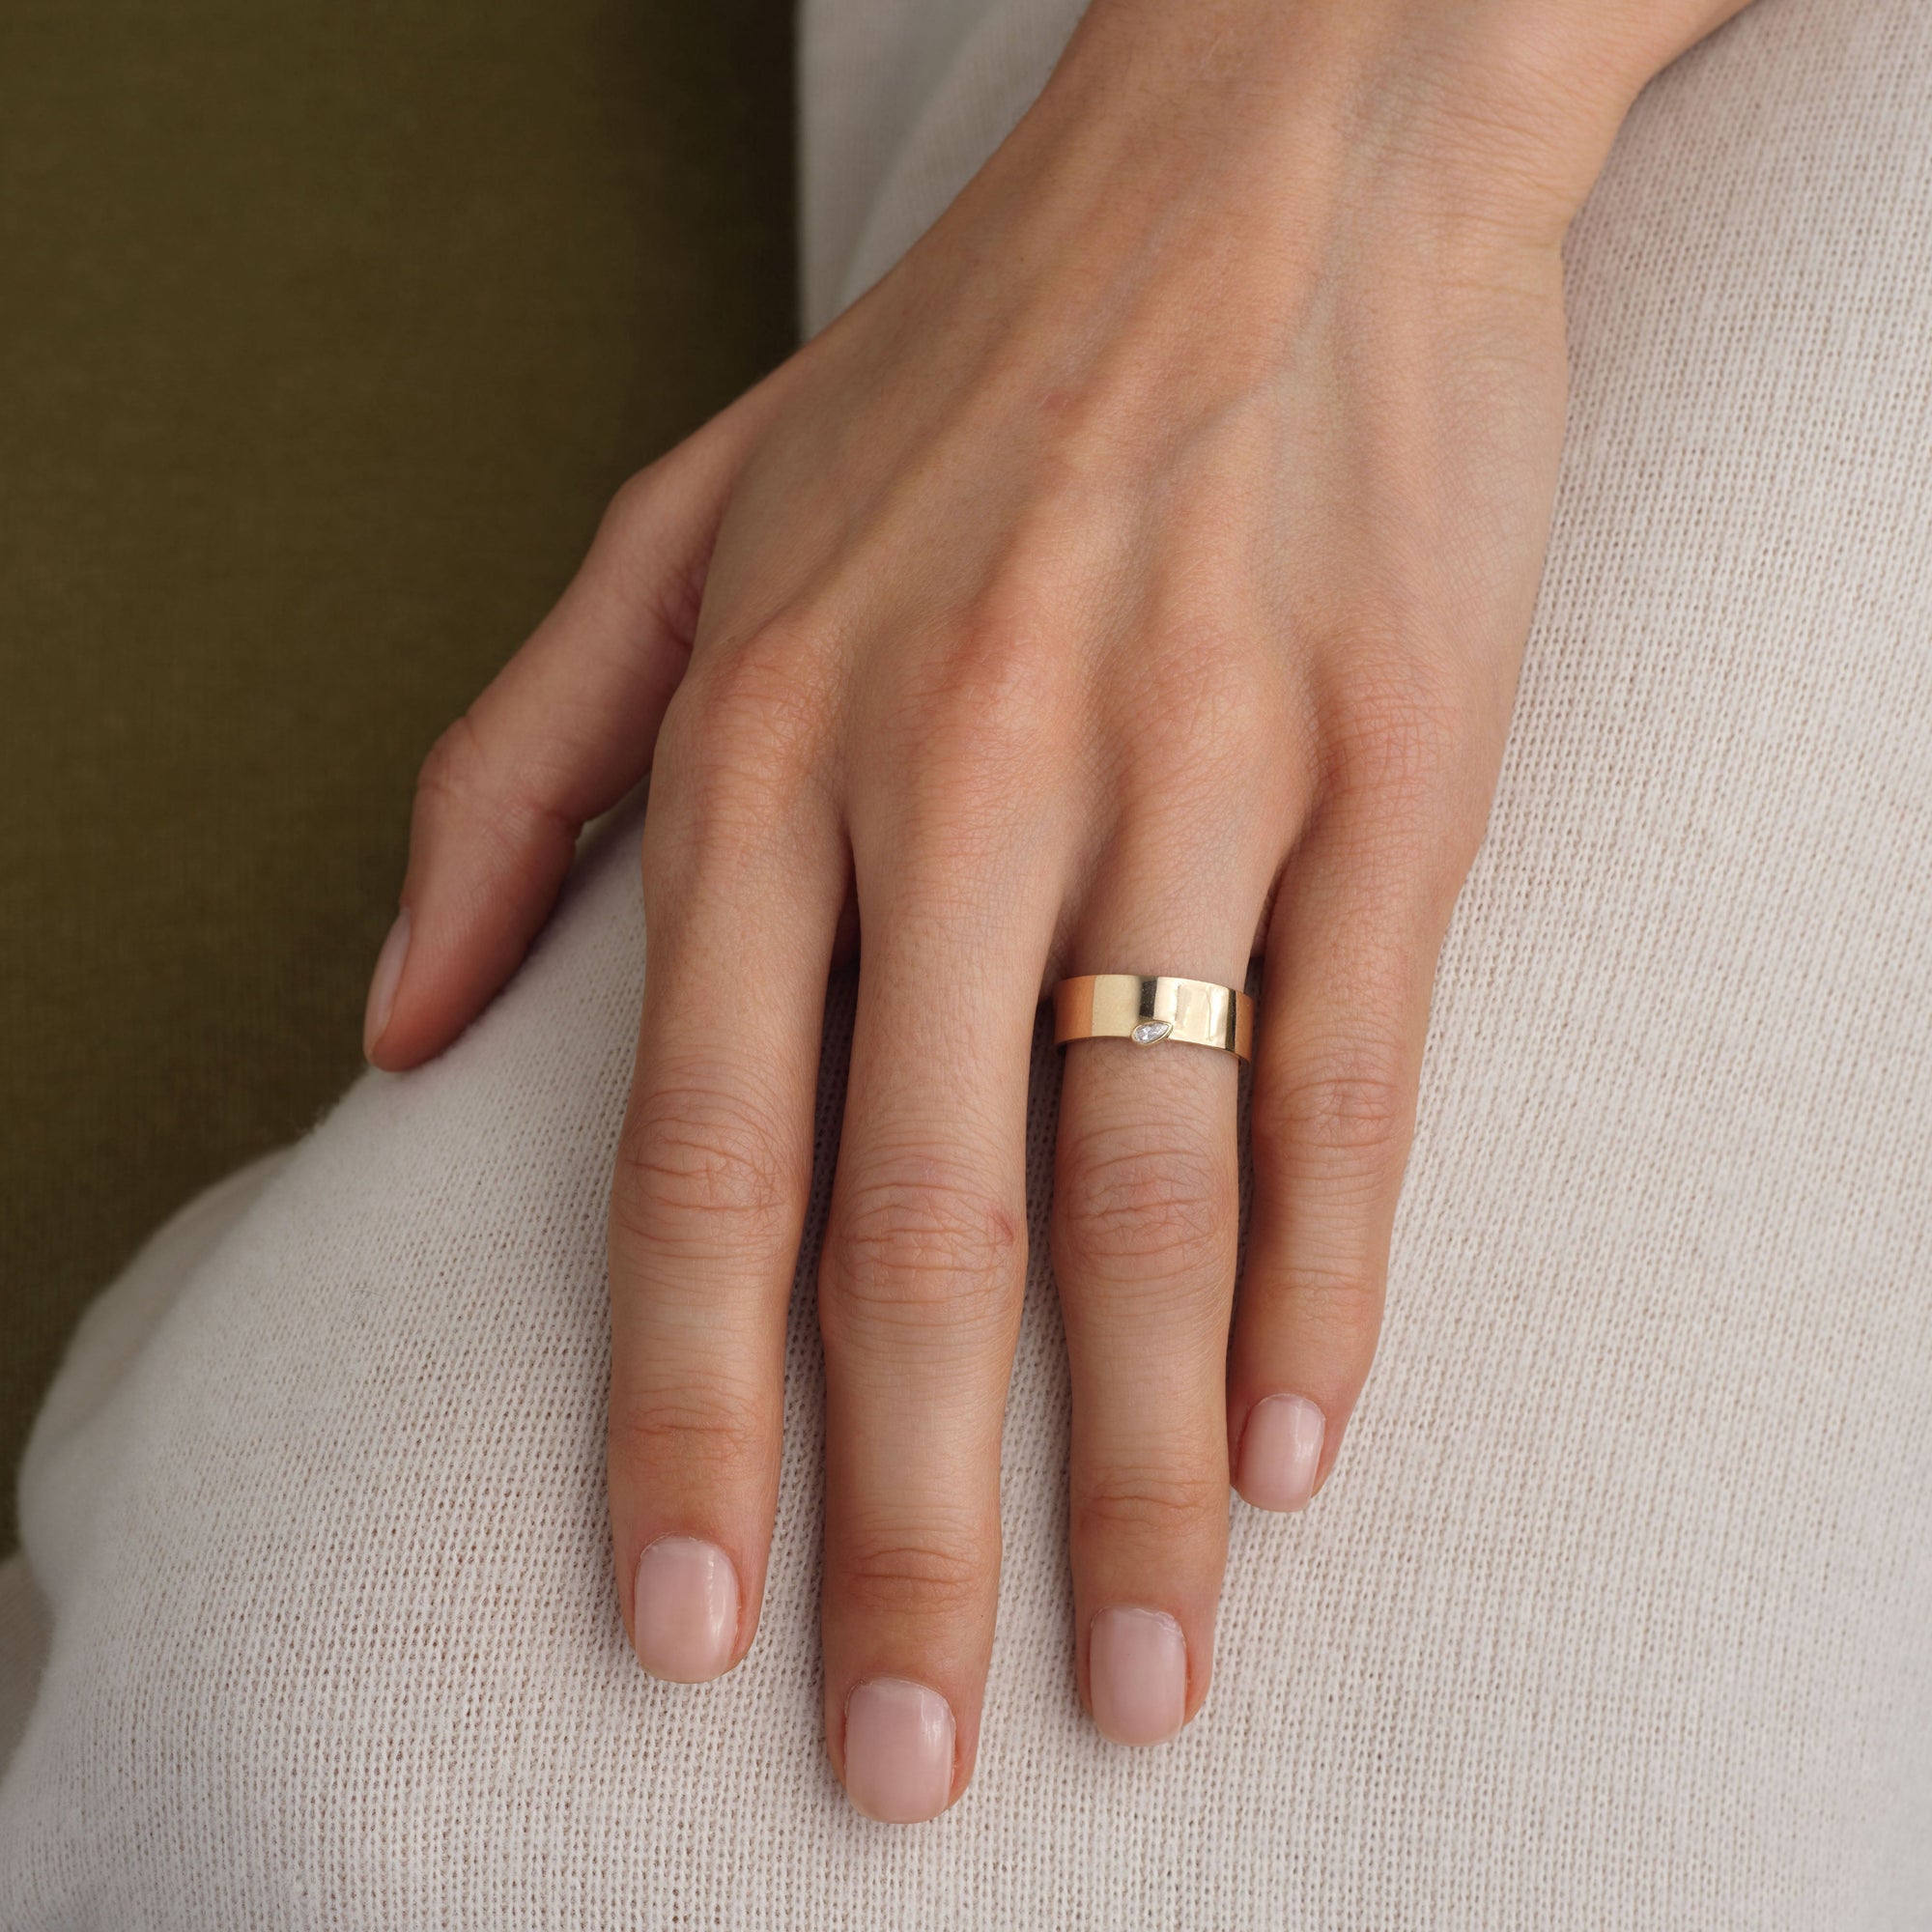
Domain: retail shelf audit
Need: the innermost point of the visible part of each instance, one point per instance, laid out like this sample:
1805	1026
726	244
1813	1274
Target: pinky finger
1349	964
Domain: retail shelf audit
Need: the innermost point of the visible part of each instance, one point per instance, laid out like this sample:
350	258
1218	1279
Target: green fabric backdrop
325	332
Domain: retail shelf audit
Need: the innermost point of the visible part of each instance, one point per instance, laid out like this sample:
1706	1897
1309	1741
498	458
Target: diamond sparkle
1150	1031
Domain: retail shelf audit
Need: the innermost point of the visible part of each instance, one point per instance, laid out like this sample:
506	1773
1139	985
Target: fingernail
1137	1662
383	984
1281	1448
686	1614
898	1750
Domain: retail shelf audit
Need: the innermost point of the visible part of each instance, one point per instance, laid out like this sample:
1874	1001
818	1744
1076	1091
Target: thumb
565	729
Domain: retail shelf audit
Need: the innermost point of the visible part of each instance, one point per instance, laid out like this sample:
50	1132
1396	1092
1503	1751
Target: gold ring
1125	1005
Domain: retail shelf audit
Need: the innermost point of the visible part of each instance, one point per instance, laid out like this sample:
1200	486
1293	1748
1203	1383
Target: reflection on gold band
1126	1006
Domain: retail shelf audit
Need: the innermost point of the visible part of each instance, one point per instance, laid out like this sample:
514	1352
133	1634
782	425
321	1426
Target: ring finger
1144	1232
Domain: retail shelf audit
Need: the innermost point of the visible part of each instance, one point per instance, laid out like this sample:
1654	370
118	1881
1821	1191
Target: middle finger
1145	1232
919	1294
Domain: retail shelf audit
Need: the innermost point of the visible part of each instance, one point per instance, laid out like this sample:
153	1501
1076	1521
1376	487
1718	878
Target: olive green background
325	330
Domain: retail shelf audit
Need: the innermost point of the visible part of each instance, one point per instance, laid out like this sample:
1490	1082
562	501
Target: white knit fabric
1618	1610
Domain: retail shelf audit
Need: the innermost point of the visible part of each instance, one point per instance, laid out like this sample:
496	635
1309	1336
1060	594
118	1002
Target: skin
1135	579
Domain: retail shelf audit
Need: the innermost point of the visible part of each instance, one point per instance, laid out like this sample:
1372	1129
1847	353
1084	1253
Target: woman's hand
1134	580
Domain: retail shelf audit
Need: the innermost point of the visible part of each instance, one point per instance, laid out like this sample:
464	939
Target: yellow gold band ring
1125	1005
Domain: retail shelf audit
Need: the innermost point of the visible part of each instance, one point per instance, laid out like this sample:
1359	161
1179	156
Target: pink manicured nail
686	1609
898	1750
1137	1662
383	984
1281	1448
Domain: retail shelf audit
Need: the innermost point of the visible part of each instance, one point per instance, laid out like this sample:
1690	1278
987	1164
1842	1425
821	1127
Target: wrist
1496	113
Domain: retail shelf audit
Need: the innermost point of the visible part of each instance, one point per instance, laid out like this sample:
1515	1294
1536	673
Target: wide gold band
1125	1005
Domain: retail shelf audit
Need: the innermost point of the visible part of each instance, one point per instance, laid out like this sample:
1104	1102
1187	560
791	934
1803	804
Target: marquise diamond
1150	1031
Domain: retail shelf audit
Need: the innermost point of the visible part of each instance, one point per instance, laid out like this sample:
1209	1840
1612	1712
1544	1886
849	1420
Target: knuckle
1195	694
637	504
983	706
698	1165
764	696
737	762
1209	743
1347	1097
1155	1507
745	727
452	766
640	522
1130	1211
1400	733
889	1573
460	778
1335	1301
921	1248
702	1424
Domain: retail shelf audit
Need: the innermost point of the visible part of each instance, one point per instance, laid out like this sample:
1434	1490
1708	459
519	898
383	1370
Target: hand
1134	580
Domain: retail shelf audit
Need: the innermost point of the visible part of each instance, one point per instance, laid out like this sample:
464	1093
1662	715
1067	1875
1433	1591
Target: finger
919	1294
1146	1213
561	734
1351	958
744	874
